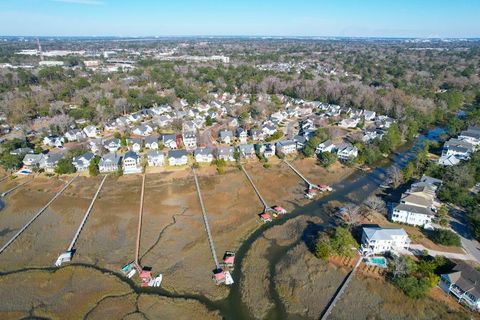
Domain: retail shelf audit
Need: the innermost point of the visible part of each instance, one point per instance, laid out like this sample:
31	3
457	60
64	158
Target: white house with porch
377	240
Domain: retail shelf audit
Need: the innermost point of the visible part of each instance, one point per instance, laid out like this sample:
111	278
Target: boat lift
219	276
67	255
36	215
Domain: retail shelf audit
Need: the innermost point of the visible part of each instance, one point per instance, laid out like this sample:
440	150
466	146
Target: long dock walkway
139	228
341	290
266	206
205	221
67	255
87	214
36	215
4	194
310	184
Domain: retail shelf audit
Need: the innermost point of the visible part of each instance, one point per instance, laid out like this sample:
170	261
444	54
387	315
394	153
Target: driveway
417	249
458	223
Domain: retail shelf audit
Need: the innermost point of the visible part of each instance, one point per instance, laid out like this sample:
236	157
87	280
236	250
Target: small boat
126	268
155	282
228	278
158	280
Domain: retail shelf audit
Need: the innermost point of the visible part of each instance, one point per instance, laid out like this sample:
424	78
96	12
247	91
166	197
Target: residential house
370	135
450	160
134	144
50	162
378	240
170	141
286	146
418	204
111	126
267	149
269	129
383	122
226	153
151	142
95	145
109	162
177	157
82	162
347	151
246	151
369	115
33	160
75	135
53	141
91	131
226	136
189	140
463	283
21	151
326	146
472	136
241	134
203	154
256	134
135	117
163	120
189	126
112	145
300	141
143	130
233	123
131	163
349	122
155	158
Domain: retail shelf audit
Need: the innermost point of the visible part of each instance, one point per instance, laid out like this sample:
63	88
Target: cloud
85	2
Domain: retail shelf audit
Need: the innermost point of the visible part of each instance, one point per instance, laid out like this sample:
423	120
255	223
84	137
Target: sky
347	18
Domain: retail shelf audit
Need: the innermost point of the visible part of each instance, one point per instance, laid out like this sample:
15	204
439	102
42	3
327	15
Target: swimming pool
377	261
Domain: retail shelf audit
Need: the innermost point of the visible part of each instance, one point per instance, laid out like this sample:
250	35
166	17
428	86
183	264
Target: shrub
445	237
327	158
65	166
93	166
323	249
412	287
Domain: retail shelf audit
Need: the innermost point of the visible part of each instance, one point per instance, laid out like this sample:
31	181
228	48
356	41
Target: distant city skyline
343	18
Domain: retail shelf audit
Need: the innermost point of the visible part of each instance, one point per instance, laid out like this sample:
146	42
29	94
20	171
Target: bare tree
396	176
375	203
352	214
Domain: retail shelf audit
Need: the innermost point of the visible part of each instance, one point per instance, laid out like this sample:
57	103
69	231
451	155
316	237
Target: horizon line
244	36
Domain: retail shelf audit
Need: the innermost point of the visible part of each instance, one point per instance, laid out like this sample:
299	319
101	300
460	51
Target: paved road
206	138
459	225
418	248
